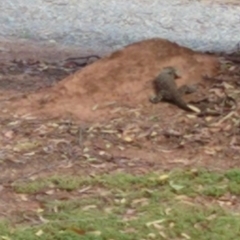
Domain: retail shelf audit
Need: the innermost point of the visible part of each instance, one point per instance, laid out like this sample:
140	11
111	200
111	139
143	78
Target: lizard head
171	71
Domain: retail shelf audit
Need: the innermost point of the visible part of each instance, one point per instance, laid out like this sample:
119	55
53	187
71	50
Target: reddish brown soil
99	120
124	77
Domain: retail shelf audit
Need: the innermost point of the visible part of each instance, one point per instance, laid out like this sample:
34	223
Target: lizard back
166	87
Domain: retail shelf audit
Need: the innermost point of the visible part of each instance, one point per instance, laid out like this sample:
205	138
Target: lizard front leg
185	89
156	98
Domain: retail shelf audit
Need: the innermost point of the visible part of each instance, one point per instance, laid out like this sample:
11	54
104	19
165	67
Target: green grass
176	205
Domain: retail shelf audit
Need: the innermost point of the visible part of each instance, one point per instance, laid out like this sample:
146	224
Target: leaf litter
135	140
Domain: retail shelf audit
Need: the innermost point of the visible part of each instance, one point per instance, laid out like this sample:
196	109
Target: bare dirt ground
117	129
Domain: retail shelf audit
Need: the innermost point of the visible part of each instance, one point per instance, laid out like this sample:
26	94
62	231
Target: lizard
165	88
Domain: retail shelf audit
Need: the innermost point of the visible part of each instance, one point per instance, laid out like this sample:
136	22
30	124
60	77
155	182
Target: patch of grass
128	207
191	183
67	183
4	228
30	187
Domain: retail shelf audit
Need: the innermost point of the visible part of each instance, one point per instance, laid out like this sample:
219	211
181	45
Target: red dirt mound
123	77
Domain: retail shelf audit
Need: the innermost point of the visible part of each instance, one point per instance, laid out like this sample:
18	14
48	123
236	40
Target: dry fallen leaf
86	208
23	197
218	92
94	108
25	146
227	85
155	222
163	235
128	139
40	210
210	151
39	233
175	186
191	116
152	236
5	238
163	178
141	201
185	236
194	108
9	134
96	233
50	192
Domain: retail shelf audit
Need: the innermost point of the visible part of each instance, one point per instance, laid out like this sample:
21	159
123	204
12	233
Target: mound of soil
124	78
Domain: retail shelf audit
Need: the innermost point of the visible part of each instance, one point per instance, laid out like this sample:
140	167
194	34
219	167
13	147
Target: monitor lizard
166	89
